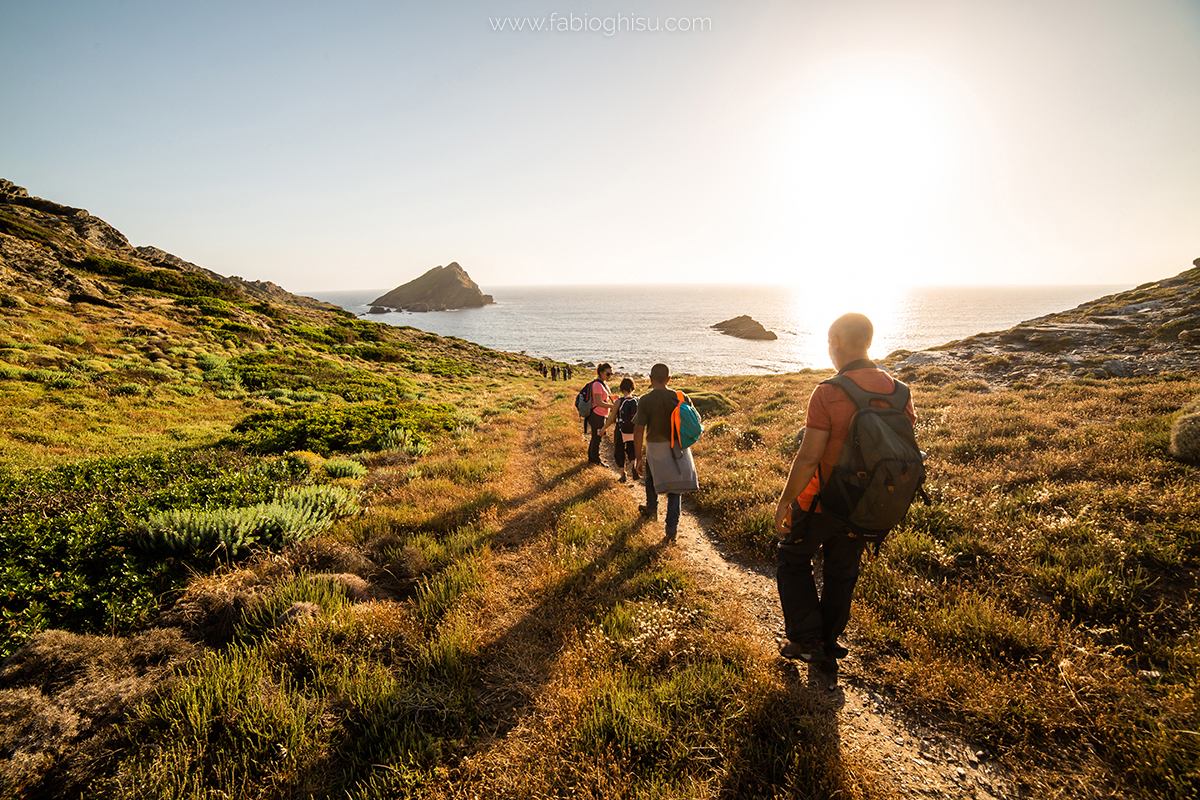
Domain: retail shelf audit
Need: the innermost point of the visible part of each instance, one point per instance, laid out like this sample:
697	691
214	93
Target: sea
634	327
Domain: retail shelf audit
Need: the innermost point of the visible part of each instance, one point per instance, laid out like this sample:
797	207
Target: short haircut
603	368
660	372
854	331
626	384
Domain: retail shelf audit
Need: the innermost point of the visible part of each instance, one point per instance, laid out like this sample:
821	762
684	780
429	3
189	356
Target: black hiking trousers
594	423
807	616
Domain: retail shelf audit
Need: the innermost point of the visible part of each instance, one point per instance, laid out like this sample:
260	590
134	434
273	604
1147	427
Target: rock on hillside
745	327
439	289
44	244
260	290
1149	330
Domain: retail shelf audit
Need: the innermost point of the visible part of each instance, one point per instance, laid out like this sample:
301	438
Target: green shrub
167	281
711	404
348	429
65	535
1185	438
298	514
344	468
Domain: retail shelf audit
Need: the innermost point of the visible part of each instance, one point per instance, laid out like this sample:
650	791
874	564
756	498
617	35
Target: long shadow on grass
542	513
518	661
791	737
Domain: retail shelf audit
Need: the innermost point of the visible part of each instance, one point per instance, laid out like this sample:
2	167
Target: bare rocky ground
1149	330
918	760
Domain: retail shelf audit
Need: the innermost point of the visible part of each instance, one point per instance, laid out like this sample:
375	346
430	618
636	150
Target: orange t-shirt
831	409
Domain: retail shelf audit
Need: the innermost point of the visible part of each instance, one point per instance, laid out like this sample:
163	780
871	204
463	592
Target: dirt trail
920	761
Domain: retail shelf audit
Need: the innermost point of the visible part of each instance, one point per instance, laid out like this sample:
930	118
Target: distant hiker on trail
622	421
813	624
667	468
599	395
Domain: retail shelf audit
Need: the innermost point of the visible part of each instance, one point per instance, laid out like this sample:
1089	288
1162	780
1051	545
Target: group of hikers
857	470
556	371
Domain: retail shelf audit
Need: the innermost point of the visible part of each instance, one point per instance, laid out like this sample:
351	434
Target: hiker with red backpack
667	462
853	479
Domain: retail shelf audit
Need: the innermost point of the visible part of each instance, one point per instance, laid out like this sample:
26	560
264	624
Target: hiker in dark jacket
622	424
813	623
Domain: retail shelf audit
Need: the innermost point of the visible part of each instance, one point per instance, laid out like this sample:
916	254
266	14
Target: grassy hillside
254	547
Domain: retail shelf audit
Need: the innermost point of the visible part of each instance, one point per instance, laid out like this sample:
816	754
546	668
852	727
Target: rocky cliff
71	257
439	289
1149	330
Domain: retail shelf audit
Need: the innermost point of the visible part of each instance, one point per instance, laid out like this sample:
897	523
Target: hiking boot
810	652
636	476
622	478
836	651
671	535
649	512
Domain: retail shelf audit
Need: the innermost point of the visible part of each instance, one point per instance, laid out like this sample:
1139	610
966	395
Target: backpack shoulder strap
897	398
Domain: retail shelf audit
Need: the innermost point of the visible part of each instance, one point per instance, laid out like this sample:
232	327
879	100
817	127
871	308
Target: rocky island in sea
745	327
440	289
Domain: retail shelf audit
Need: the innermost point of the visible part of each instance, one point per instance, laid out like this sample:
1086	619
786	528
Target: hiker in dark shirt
674	472
813	623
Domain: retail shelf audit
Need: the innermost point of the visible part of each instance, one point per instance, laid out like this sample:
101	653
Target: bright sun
867	180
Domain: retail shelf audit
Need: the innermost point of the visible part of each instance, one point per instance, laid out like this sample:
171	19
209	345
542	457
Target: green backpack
881	469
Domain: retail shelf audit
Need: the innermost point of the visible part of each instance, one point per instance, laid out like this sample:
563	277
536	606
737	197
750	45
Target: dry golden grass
1043	603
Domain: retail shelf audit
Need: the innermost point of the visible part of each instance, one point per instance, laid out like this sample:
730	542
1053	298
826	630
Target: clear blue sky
356	145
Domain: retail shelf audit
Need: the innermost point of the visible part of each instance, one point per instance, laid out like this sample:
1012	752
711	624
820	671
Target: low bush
1185	438
66	534
344	468
167	281
346	429
711	404
297	515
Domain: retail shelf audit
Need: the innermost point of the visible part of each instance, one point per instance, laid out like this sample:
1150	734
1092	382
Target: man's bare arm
804	466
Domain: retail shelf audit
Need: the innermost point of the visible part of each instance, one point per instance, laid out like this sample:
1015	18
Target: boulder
745	327
440	289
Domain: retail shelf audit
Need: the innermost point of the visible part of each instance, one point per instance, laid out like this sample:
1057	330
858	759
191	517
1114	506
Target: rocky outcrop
440	289
260	290
745	327
43	244
1152	329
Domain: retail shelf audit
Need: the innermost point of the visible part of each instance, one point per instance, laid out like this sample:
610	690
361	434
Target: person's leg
619	451
595	421
672	523
797	590
651	495
798	598
631	457
843	558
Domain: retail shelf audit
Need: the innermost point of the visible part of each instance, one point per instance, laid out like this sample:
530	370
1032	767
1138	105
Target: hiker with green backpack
853	479
669	424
